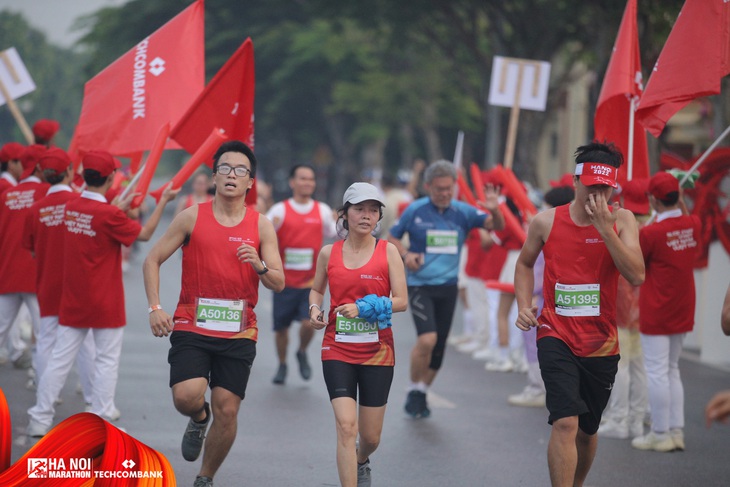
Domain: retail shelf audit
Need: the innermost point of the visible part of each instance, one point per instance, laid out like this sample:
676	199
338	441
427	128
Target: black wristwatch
264	270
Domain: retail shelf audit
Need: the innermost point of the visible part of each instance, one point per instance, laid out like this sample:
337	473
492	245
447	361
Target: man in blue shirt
437	227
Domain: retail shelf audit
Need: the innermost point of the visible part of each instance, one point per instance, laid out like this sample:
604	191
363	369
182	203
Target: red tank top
579	286
300	238
347	286
211	271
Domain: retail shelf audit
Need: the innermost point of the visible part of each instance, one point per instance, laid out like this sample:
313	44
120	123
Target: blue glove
373	308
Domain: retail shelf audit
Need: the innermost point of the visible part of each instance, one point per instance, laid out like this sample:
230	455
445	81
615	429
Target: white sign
531	76
14	76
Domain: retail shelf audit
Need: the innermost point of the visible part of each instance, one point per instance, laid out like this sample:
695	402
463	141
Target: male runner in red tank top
586	245
227	249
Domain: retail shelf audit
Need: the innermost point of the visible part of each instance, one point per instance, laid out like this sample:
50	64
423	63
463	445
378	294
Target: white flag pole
705	155
458	156
632	109
133	182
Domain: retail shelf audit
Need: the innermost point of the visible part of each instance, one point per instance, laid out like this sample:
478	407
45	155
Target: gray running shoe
24	361
363	474
304	369
203	482
280	376
193	438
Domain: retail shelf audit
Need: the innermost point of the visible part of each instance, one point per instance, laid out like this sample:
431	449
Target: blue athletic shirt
439	236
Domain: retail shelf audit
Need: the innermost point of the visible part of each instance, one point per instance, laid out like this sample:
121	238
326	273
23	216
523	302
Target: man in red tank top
586	245
301	225
227	250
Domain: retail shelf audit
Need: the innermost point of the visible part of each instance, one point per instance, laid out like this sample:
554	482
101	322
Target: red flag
226	103
152	84
694	59
622	82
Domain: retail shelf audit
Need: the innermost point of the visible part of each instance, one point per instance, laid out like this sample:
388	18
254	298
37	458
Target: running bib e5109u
298	259
442	241
355	330
578	299
220	314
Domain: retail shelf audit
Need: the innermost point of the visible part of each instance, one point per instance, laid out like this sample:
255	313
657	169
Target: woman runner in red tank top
367	284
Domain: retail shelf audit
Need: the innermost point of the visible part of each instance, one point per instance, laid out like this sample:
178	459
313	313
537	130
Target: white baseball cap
359	192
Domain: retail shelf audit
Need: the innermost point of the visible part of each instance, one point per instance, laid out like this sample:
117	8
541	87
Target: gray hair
439	169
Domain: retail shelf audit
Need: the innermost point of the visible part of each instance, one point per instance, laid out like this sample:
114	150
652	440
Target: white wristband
314	306
153	308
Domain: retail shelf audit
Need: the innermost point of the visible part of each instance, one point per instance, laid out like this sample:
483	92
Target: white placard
534	83
14	76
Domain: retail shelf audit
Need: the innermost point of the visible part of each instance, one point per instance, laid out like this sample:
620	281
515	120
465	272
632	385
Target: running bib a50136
220	314
442	241
298	259
355	330
578	299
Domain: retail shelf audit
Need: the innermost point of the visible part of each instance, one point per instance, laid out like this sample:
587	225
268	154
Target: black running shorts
291	304
223	362
575	386
372	381
433	307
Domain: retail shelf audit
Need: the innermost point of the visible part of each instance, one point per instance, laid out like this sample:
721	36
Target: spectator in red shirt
92	298
666	309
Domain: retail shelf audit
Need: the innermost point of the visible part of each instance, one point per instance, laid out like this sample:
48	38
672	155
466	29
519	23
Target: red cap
100	161
45	129
565	180
594	173
634	196
661	184
12	151
56	159
31	156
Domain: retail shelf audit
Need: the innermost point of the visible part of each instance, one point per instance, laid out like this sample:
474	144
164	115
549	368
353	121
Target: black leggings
343	379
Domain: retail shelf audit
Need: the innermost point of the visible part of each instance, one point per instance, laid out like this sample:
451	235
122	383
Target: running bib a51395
442	241
578	299
226	315
355	330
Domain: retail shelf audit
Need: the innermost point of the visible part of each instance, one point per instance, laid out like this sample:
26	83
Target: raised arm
397	274
151	225
274	278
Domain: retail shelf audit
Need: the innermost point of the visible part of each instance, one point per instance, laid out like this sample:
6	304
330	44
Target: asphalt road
286	434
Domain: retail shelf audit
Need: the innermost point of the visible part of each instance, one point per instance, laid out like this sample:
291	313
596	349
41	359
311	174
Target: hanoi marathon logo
84	468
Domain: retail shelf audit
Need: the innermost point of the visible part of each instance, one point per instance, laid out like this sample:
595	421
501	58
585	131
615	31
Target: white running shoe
614	429
529	397
677	435
488	354
469	347
501	365
455	340
36	429
661	442
636	428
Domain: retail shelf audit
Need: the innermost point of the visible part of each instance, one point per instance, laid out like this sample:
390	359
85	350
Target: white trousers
629	400
46	340
9	307
666	393
69	340
478	308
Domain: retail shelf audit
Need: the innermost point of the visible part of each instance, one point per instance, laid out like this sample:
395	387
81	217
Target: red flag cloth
621	82
694	59
226	103
152	84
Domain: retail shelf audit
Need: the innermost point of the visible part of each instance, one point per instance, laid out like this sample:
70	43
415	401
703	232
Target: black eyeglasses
240	171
